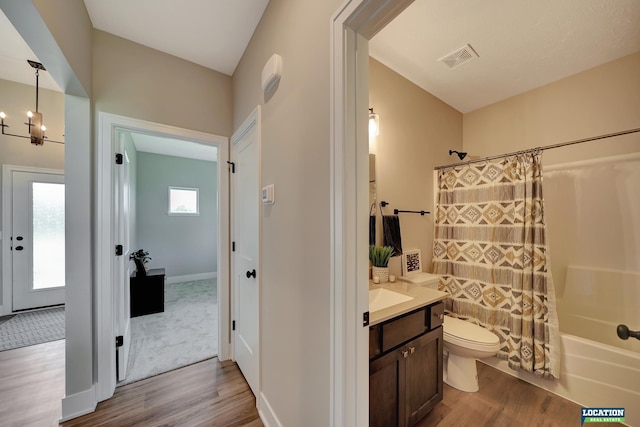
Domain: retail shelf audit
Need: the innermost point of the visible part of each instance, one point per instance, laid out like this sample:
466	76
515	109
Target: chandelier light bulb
43	127
2	115
29	114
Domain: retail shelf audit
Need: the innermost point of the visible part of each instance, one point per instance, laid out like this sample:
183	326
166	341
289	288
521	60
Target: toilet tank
422	279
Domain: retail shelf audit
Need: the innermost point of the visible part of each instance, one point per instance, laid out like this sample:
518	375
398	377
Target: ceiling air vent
459	57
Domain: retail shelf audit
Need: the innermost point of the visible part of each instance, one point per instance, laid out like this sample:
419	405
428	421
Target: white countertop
421	296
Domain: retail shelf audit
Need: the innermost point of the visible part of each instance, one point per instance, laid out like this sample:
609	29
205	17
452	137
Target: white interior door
245	195
122	265
37	255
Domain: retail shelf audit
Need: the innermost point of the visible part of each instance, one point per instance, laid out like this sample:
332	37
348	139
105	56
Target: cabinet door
387	390
423	375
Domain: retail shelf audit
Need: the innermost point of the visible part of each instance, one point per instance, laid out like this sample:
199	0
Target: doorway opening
114	322
168	209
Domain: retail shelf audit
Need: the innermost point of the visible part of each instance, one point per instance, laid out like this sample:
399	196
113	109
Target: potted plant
140	257
379	257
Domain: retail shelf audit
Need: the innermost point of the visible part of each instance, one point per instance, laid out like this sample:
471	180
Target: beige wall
17	99
591	211
139	82
601	100
295	301
417	130
70	25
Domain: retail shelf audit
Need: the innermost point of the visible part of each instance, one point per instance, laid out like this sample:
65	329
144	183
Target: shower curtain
491	251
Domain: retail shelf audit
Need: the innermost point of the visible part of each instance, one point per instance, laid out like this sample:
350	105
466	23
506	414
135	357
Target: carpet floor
31	328
185	333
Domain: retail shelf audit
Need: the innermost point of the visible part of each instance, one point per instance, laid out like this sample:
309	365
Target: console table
147	292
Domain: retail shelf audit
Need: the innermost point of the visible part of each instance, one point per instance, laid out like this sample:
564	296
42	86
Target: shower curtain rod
548	147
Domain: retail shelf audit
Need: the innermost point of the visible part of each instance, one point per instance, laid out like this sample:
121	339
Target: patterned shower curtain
490	249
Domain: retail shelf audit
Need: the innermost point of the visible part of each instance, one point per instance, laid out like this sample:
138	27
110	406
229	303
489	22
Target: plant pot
380	272
141	270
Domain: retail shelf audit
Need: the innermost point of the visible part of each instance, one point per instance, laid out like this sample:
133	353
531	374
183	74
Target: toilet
464	342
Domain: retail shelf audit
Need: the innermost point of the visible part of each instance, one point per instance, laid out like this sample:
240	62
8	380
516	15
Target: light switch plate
268	194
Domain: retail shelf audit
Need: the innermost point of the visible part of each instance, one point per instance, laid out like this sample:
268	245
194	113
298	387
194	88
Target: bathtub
591	375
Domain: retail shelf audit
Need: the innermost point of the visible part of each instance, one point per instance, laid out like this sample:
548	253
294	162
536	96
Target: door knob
251	273
19	238
19	248
624	333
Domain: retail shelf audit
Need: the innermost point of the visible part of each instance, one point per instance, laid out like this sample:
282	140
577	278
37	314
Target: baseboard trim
78	404
191	277
266	413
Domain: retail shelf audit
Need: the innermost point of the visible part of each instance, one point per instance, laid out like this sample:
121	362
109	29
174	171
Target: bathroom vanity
405	354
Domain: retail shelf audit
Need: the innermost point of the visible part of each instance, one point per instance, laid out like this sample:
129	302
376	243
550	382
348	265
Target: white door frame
7	220
107	127
353	24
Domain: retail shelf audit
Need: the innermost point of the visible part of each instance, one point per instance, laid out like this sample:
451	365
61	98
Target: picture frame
411	262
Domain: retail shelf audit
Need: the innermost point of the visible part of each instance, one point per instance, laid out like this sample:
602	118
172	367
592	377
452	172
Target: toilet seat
468	335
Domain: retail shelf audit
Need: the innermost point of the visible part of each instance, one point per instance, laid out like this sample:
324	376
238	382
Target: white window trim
196	213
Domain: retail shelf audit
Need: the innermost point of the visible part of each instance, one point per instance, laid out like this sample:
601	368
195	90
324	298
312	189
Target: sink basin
380	299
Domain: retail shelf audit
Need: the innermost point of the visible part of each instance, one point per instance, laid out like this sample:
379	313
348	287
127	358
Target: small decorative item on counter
379	257
376	279
392	278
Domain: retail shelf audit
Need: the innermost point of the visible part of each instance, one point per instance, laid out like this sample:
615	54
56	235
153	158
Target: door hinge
119	341
233	246
119	159
365	318
233	325
233	166
118	250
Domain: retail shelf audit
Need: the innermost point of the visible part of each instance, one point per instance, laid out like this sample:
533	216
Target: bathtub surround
490	248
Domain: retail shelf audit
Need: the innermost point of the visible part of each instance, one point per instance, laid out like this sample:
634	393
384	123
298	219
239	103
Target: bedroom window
183	201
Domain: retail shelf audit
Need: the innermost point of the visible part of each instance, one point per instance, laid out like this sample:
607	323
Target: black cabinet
405	368
147	292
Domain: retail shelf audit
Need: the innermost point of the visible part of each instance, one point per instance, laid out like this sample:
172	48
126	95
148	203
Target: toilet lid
469	332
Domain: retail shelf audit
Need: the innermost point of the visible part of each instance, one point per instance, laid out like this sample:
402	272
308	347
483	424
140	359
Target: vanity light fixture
34	123
374	123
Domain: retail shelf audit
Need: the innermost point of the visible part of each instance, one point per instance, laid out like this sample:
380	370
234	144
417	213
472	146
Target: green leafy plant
140	255
379	255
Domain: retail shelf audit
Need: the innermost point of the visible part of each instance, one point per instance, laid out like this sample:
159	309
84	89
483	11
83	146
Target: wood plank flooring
32	385
503	400
211	393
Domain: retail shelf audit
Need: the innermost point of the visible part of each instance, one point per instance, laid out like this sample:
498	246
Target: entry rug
35	327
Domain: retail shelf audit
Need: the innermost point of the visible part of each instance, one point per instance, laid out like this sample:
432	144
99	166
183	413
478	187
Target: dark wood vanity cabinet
405	367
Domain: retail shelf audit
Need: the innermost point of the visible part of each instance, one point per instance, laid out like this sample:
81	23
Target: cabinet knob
412	350
405	353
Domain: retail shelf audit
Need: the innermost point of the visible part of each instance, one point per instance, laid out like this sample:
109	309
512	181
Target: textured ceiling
212	33
14	53
521	44
174	147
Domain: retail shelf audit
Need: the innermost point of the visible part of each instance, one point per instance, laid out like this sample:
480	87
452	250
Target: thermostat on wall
268	195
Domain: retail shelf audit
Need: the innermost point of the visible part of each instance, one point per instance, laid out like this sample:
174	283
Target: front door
38	252
245	194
